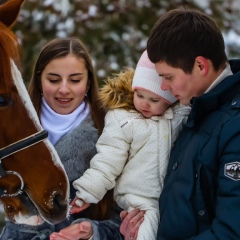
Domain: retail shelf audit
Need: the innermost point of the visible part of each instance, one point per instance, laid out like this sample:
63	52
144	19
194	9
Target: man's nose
165	85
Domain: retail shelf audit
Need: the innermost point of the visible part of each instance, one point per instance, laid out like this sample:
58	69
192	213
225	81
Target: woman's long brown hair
61	47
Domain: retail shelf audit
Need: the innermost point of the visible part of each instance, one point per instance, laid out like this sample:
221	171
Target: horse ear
9	11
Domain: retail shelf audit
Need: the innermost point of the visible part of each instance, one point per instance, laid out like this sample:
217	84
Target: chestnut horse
32	178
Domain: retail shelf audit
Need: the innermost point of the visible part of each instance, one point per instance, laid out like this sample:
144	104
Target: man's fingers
126	221
134	231
123	214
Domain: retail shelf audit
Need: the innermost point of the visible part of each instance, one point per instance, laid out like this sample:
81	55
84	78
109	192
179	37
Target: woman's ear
202	64
88	86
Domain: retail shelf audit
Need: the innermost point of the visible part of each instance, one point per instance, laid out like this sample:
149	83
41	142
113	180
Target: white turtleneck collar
58	125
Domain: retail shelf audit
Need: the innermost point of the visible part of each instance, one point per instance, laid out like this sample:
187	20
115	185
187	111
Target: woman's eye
53	80
75	80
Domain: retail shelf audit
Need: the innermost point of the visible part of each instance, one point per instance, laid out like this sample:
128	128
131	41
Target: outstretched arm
81	230
88	229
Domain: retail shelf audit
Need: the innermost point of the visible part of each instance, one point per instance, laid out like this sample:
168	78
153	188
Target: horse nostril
59	201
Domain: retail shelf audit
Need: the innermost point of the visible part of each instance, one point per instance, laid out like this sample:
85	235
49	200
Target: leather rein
14	148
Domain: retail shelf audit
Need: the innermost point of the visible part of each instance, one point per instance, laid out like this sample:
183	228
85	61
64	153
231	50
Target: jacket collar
210	101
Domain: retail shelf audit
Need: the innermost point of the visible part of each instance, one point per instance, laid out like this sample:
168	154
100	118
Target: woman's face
64	83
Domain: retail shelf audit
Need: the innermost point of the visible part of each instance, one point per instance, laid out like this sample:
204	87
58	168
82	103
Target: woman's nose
64	88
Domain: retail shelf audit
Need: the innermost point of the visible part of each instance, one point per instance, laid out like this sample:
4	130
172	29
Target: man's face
181	85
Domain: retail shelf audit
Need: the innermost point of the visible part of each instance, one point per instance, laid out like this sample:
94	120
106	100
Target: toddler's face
148	103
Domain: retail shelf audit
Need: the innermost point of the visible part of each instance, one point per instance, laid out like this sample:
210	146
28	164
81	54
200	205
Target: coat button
175	166
201	213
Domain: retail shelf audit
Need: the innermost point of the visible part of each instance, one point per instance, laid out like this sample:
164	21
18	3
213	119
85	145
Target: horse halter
16	147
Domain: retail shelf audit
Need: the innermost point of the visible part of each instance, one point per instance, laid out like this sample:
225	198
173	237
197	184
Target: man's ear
202	64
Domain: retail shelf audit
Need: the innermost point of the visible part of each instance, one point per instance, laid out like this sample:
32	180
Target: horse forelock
8	49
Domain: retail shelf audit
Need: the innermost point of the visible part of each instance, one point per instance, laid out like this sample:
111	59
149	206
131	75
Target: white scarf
58	125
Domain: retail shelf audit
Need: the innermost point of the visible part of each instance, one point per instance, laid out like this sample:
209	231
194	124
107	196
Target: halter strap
22	144
16	147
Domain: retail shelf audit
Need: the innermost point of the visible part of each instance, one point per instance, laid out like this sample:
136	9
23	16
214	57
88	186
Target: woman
64	92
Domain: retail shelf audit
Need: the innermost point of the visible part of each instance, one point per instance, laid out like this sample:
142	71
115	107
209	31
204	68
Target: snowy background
115	32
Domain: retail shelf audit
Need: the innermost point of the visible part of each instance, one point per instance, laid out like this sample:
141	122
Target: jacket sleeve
225	224
106	165
77	148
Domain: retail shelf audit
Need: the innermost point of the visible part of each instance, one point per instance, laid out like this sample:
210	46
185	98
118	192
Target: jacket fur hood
117	91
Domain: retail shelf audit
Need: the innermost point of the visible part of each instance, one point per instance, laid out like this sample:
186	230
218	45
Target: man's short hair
181	35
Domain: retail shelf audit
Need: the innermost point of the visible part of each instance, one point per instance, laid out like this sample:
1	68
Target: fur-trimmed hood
117	91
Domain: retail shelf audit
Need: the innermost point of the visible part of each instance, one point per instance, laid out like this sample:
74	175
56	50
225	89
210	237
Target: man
201	195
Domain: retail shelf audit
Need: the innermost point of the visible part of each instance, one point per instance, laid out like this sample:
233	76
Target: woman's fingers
57	236
76	231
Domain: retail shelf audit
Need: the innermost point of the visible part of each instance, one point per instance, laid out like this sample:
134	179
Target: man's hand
131	222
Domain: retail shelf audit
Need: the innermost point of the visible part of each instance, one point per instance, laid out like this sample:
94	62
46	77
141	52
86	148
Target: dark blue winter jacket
201	195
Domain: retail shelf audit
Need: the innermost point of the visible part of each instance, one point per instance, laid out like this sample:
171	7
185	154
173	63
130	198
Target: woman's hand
78	205
131	222
76	231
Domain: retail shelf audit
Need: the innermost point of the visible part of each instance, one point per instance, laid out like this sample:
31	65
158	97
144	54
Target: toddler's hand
78	205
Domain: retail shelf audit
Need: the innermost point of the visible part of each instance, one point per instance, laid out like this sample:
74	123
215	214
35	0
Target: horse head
32	177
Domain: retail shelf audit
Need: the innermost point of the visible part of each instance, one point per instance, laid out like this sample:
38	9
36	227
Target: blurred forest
115	32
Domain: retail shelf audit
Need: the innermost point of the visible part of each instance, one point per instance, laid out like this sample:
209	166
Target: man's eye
168	78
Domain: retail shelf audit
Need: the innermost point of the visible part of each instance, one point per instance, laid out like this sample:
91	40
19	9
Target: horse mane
9	49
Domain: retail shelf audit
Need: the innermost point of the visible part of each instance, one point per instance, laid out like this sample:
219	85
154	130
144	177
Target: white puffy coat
132	157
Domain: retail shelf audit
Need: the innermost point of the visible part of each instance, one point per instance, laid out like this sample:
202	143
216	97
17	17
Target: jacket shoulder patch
232	170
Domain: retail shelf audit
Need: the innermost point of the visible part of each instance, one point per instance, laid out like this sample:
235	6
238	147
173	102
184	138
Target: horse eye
4	101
